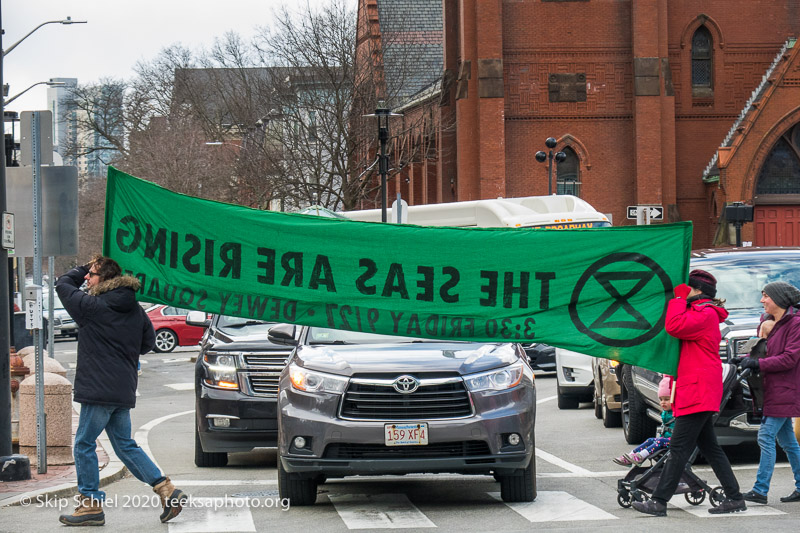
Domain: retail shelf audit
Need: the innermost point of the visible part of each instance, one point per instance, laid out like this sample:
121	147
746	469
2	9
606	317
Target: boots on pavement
172	499
89	512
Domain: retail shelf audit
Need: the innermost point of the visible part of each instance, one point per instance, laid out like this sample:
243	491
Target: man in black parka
113	331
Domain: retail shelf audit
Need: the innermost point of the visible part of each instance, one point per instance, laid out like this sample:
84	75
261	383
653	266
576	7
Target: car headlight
502	379
221	369
310	381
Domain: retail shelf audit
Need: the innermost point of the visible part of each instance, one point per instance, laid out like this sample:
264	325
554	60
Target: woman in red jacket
694	317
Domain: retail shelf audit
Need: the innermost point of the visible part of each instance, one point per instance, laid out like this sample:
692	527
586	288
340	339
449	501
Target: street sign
8	230
656	212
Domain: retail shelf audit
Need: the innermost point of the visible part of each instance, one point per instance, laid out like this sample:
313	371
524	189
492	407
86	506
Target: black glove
735	360
749	362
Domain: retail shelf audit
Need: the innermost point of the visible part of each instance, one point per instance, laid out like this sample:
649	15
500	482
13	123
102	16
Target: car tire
636	426
611	419
299	491
207	459
520	488
166	341
566	402
598	398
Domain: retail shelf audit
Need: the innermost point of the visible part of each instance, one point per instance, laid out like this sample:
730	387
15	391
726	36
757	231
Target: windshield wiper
328	342
242	324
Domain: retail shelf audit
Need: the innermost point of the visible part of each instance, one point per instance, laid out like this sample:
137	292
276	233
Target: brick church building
684	104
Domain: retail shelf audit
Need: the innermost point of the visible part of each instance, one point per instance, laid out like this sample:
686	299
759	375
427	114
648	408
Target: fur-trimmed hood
119	293
115	283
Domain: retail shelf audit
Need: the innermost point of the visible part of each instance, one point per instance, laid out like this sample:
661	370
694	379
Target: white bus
556	211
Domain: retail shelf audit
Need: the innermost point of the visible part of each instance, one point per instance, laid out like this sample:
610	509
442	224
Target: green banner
600	291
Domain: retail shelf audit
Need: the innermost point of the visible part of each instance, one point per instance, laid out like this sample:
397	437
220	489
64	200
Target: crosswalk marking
557	506
222	482
701	511
181	386
209	515
378	511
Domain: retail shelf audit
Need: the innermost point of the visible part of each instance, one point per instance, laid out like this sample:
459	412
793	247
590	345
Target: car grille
430	451
263	383
262	372
368	401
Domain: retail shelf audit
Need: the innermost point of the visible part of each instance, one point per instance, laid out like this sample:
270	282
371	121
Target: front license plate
406	434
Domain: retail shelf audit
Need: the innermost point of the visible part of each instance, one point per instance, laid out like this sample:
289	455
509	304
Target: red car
171	328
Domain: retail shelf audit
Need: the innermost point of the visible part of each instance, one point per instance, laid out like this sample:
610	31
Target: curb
113	471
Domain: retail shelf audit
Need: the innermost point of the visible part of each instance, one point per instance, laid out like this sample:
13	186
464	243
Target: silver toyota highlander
353	403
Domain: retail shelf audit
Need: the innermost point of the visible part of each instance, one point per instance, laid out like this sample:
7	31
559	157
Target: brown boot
172	499
89	512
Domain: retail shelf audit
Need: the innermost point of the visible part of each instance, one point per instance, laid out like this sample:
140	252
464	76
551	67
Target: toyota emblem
405	384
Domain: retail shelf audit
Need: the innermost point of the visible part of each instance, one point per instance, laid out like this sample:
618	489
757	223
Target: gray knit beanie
783	294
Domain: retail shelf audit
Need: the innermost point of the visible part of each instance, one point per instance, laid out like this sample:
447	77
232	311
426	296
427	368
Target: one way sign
656	212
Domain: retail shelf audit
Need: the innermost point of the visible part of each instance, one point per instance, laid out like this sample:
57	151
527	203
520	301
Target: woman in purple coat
780	371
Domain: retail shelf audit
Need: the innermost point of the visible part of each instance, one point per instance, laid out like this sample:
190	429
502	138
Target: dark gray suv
236	387
354	403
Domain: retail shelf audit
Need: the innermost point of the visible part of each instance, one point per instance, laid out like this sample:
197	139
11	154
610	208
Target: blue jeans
117	423
773	428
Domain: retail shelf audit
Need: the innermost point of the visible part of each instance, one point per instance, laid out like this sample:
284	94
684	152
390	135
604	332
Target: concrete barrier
58	424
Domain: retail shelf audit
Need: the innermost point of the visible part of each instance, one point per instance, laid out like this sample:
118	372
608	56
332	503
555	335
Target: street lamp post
12	473
541	156
48	83
383	113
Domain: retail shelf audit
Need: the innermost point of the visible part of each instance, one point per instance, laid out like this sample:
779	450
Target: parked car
541	356
355	403
63	324
171	328
741	274
574	378
236	387
607	392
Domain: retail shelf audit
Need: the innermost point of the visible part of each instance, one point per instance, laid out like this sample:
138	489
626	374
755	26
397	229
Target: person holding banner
780	372
114	331
693	316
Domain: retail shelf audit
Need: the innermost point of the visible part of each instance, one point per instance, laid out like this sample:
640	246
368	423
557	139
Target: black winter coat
114	331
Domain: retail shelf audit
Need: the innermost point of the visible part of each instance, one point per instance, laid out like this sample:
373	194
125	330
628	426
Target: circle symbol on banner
630	319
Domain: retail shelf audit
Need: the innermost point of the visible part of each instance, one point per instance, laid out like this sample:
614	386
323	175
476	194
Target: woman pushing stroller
693	316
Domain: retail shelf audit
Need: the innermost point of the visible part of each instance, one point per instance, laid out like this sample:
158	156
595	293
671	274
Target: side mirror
198	318
282	334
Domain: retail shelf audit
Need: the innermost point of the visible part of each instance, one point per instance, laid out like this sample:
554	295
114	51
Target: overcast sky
118	34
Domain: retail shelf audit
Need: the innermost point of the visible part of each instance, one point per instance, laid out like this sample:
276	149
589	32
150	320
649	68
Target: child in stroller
642	480
660	442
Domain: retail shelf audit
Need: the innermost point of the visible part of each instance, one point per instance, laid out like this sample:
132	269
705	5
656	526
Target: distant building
65	118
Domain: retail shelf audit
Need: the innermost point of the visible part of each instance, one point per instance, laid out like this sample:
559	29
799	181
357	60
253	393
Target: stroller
641	480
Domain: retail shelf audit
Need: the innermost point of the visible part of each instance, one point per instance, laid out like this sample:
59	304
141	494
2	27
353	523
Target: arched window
781	171
568	179
702	60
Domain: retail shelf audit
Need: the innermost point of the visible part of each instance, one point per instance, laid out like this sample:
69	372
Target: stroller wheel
638	495
624	499
717	496
695	498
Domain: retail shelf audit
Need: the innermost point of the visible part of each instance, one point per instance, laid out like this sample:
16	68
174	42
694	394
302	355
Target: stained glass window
781	171
568	174
701	58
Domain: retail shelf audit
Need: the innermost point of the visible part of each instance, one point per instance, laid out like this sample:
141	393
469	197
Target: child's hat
664	388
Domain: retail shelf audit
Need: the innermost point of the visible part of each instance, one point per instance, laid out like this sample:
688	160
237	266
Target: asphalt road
576	481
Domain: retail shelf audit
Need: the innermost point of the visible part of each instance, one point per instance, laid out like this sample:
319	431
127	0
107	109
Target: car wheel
566	402
598	398
166	341
611	419
635	424
298	490
520	487
207	459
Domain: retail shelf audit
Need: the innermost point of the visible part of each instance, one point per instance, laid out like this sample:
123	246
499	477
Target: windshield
338	336
46	303
741	279
252	326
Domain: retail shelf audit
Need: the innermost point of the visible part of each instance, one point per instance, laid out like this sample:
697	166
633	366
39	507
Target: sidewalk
61	481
